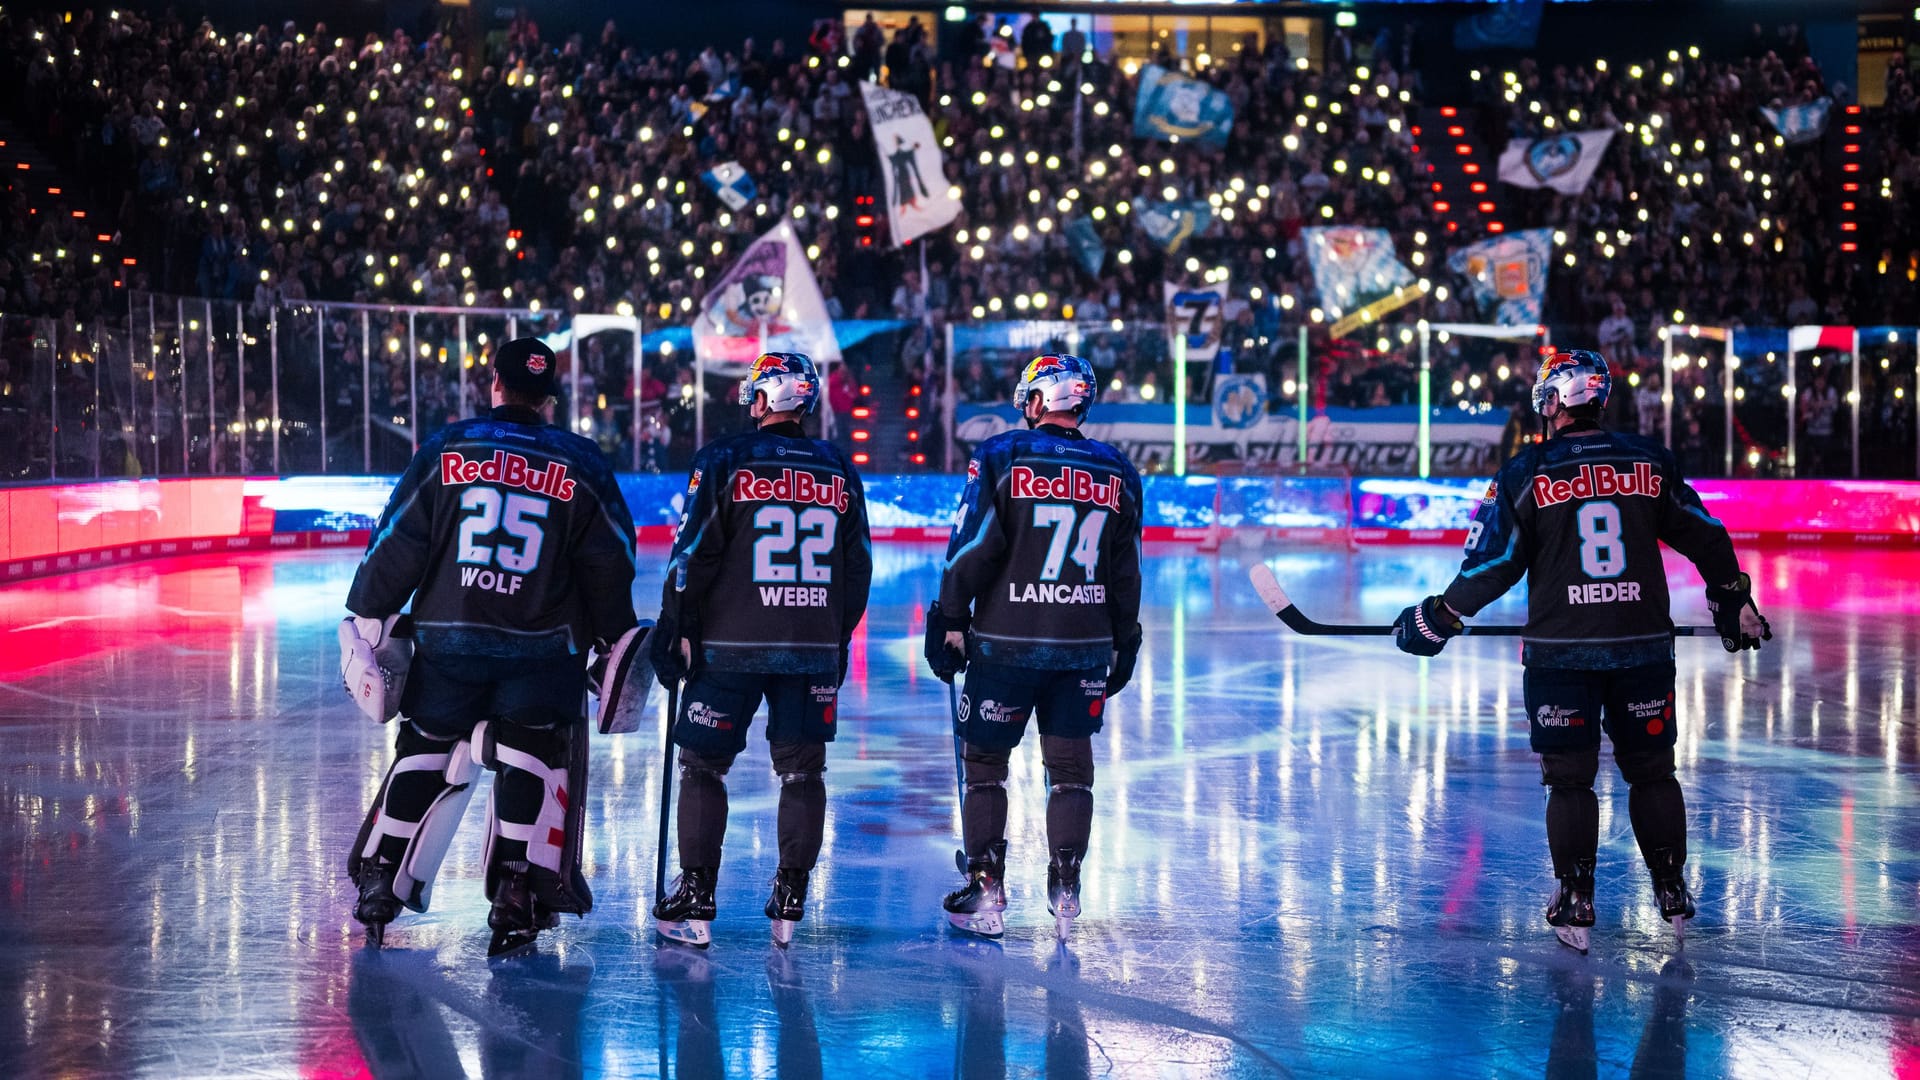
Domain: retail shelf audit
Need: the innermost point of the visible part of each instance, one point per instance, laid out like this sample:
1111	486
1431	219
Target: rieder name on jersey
509	470
1598	482
1604	592
792	486
1072	485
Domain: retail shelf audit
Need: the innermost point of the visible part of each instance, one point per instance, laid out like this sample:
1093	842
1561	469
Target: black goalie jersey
510	537
1583	516
773	561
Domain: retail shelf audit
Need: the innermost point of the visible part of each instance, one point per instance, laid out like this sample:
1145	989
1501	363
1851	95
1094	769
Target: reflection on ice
1308	857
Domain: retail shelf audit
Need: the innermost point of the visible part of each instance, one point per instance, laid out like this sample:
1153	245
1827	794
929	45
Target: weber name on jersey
1583	516
772	560
1046	550
514	535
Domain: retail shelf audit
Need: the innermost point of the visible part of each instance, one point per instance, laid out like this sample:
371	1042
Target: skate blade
984	923
1573	937
783	931
377	935
695	932
1062	928
1679	929
508	943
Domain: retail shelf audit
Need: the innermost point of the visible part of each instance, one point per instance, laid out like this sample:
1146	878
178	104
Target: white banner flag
767	301
919	199
1565	163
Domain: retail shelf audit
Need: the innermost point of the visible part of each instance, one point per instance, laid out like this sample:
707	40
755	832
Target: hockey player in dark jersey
1582	517
767	582
1039	605
513	544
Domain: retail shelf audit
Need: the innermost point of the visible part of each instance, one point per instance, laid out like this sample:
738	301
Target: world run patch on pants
996	702
717	707
1567	710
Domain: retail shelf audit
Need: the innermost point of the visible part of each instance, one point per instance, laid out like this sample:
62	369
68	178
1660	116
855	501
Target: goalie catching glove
374	657
1739	624
621	676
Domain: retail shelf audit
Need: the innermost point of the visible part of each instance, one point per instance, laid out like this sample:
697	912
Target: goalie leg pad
417	812
538	811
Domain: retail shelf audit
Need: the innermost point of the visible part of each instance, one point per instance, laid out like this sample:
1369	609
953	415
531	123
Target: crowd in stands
272	165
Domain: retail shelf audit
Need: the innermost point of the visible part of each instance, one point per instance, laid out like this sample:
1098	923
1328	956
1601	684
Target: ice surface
1309	857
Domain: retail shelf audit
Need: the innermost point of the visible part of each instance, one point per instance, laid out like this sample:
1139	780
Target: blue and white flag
1508	274
1511	25
1353	267
1565	163
731	182
1173	108
1197	313
1799	123
1084	240
1170	224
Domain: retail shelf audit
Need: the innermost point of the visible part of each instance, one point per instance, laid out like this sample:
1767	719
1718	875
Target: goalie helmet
1064	382
1575	377
789	379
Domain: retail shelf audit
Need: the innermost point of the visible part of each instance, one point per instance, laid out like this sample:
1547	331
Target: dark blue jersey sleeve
858	554
1123	586
978	546
1686	527
402	543
603	552
1498	543
701	541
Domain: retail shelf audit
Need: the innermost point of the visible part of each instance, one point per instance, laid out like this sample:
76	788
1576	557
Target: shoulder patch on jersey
1493	491
693	482
973	469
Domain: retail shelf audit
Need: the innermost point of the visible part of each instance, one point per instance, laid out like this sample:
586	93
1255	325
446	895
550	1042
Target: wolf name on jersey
772	559
1046	550
515	536
1583	516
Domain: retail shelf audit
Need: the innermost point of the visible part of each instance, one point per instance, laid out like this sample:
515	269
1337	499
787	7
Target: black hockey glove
945	660
1739	624
1126	650
670	666
1424	628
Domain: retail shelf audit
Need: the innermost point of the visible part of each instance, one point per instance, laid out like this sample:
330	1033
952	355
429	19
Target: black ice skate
515	920
377	905
787	904
1670	890
685	915
1063	890
976	907
1570	912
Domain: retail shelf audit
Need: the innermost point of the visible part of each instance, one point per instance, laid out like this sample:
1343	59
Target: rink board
58	528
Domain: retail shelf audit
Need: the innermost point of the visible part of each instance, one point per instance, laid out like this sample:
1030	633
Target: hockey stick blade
1282	606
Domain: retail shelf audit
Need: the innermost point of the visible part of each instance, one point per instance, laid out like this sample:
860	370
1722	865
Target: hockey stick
666	794
1297	621
959	763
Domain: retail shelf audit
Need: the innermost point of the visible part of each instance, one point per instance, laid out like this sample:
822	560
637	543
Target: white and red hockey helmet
1572	377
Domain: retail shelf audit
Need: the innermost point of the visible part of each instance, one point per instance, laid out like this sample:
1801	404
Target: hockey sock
1573	828
703	810
1070	802
1659	813
983	816
803	802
